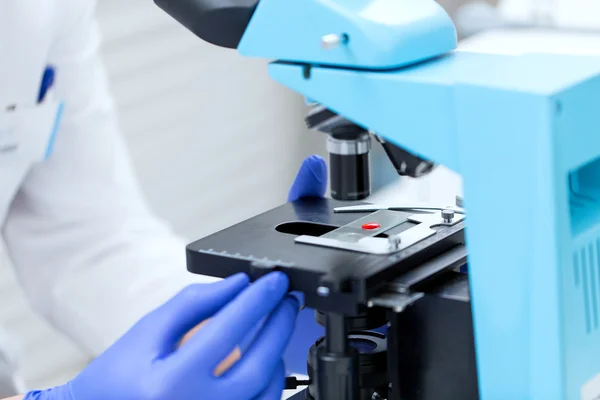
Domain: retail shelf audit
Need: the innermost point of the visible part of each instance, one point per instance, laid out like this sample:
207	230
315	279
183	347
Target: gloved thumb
311	180
168	324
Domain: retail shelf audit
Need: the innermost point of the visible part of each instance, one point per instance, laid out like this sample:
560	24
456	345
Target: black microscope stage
332	279
361	271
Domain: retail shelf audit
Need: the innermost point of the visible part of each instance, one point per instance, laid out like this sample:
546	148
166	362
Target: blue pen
46	85
47	82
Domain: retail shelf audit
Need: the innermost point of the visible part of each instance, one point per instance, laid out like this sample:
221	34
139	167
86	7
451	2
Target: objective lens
348	147
372	364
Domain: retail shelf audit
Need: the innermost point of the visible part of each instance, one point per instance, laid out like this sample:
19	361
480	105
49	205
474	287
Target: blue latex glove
146	364
311	180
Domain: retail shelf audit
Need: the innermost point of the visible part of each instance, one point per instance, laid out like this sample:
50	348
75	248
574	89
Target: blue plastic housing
381	33
524	133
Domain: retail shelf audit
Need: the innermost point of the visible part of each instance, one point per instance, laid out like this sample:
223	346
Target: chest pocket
26	138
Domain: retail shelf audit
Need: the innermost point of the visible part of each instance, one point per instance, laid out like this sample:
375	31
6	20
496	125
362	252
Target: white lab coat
73	219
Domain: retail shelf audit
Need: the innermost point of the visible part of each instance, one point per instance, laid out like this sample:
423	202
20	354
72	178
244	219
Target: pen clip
47	83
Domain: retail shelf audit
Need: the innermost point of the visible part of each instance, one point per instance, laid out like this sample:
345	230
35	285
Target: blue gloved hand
147	364
311	180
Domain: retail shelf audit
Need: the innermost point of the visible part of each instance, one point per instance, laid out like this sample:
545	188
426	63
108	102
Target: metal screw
394	242
323	291
448	215
333	40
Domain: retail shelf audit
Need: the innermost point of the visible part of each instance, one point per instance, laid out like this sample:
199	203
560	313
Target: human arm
310	181
79	218
150	363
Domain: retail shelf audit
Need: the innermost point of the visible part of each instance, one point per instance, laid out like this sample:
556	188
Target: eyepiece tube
219	22
349	148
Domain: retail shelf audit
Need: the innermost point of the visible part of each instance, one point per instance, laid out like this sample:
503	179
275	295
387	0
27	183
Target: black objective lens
372	364
349	146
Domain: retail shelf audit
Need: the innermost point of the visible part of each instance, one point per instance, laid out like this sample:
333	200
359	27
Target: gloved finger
205	350
170	322
231	359
300	297
311	180
276	385
265	354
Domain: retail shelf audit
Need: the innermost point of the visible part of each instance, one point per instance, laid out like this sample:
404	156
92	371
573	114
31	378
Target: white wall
213	140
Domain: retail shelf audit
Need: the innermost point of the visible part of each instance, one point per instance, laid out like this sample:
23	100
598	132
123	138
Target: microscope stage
300	238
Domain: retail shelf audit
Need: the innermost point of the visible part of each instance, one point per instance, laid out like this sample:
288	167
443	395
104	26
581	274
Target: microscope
403	318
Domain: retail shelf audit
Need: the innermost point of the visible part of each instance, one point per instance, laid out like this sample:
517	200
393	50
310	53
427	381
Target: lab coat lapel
26	31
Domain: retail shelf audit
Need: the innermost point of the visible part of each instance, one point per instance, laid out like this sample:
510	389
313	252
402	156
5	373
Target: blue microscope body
522	130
